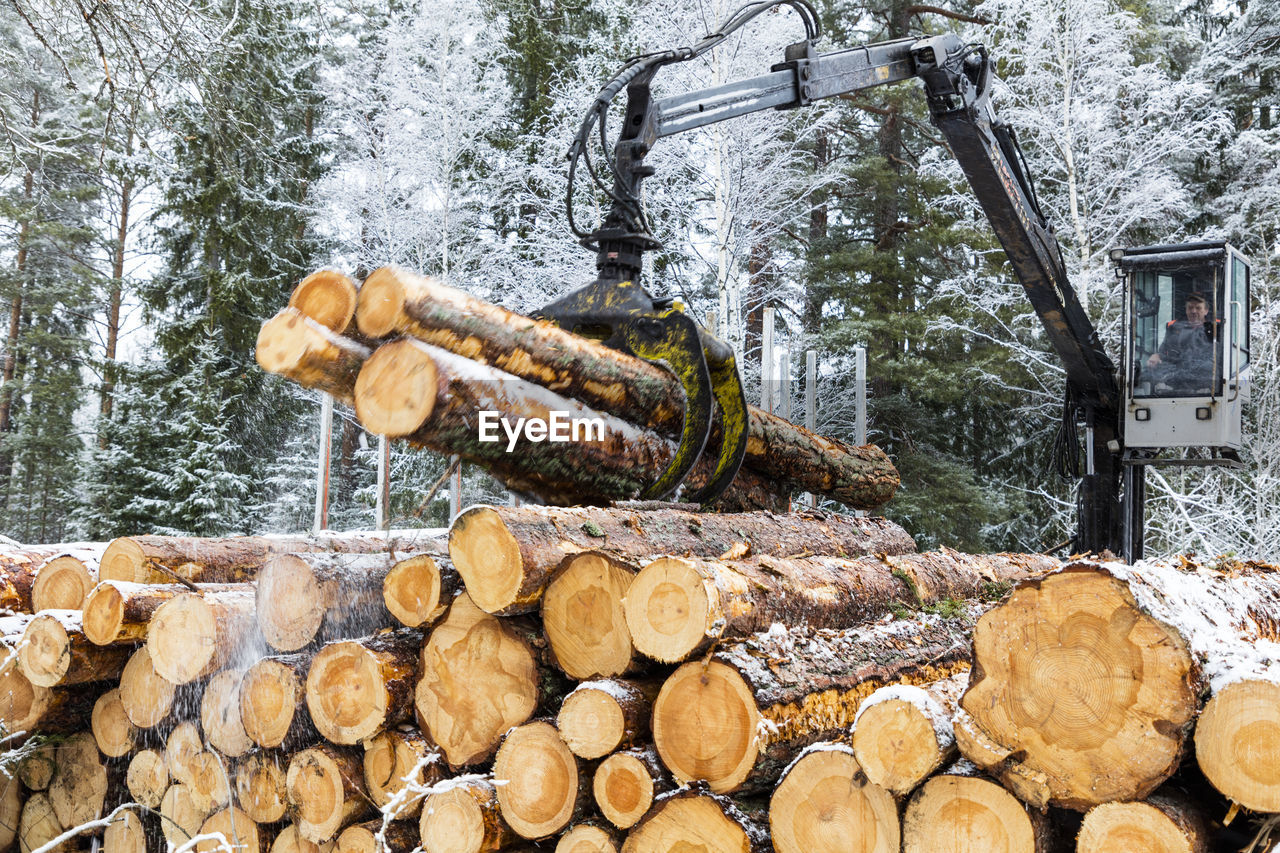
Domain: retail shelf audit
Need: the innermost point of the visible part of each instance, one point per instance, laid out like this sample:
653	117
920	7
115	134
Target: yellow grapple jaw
622	315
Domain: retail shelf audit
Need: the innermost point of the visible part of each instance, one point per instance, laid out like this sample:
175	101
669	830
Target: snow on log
329	298
462	816
399	764
960	811
194	633
299	348
119	612
63	581
824	804
903	733
55	651
599	717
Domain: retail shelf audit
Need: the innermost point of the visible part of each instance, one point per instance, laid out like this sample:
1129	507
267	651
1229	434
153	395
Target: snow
613	689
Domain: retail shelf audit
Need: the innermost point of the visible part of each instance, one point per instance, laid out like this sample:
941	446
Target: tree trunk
583	617
238	828
430	397
1086	683
357	688
329	298
261	788
1162	822
737	719
465	818
147	778
180	818
63	582
326	791
399	836
10	374
272	701
691	819
903	733
80	783
824	804
418	589
678	606
1235	743
394	756
220	714
115	297
298	595
971	814
478	680
55	651
506	555
626	784
600	717
299	348
194	634
114	735
541	787
120	612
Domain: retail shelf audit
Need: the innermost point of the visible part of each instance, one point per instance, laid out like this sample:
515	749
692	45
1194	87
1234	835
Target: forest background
168	172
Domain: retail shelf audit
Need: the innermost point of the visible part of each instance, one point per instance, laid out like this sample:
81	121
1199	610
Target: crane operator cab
1186	365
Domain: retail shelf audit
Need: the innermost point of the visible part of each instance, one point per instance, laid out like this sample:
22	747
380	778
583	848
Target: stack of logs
592	680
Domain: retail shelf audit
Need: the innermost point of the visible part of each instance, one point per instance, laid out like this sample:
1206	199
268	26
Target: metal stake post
783	392
811	401
382	502
766	362
860	374
455	489
322	464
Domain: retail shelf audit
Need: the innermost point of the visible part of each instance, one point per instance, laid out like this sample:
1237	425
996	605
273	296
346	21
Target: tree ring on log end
582	614
45	656
183	638
1131	827
125	834
396	389
122	560
1238	743
824	805
290	603
236	826
103	614
591	722
487	558
112	729
146	697
623	789
269	698
411	591
685	824
345	693
316	790
220	715
666	609
452	821
21	702
966	815
536	777
381	303
61	584
899	745
585	838
704	725
327	297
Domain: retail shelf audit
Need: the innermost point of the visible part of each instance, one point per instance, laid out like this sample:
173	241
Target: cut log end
61	584
824	804
183	638
290	602
398	760
464	818
102	614
45	656
148	778
325	787
123	560
591	722
112	730
79	787
411	591
1132	827
537	780
328	297
487	558
38	825
897	742
236	826
586	838
270	697
289	841
180	751
211	783
345	693
722	749
397	388
220	714
22	703
582	614
125	834
967	815
688	823
623	789
1237	743
145	696
381	303
260	787
667	610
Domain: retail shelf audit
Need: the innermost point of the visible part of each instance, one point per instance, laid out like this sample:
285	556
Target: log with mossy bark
395	301
507	555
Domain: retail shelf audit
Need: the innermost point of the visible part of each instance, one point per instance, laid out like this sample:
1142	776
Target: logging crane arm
957	80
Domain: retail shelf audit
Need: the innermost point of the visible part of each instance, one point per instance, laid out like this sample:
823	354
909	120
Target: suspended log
398	765
329	298
63	581
824	804
113	733
80	782
180	818
55	651
463	816
125	834
194	634
626	784
541	788
397	836
357	688
220	714
582	615
295	346
429	397
903	733
1100	705
261	788
147	778
180	750
692	819
968	813
478	680
506	555
395	301
325	784
739	718
237	828
299	594
418	589
120	612
678	606
599	717
39	825
589	837
1236	741
1162	824
212	781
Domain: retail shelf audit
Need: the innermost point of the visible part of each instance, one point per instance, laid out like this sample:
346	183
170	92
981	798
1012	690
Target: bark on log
120	612
237	828
398	836
180	750
180	818
626	784
903	733
18	568
297	347
329	298
738	718
430	397
478	680
194	634
824	804
148	778
397	301
1237	739
506	555
24	707
80	782
39	825
961	811
63	581
1161	824
55	651
463	816
398	765
599	717
417	590
261	788
220	714
114	734
692	819
587	837
541	787
326	791
125	834
273	706
582	615
298	595
678	606
357	688
1086	683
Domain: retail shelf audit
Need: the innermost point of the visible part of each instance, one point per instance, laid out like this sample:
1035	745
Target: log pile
419	361
627	680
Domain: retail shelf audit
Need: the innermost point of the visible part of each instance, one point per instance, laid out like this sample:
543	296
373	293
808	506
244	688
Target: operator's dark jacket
1187	346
